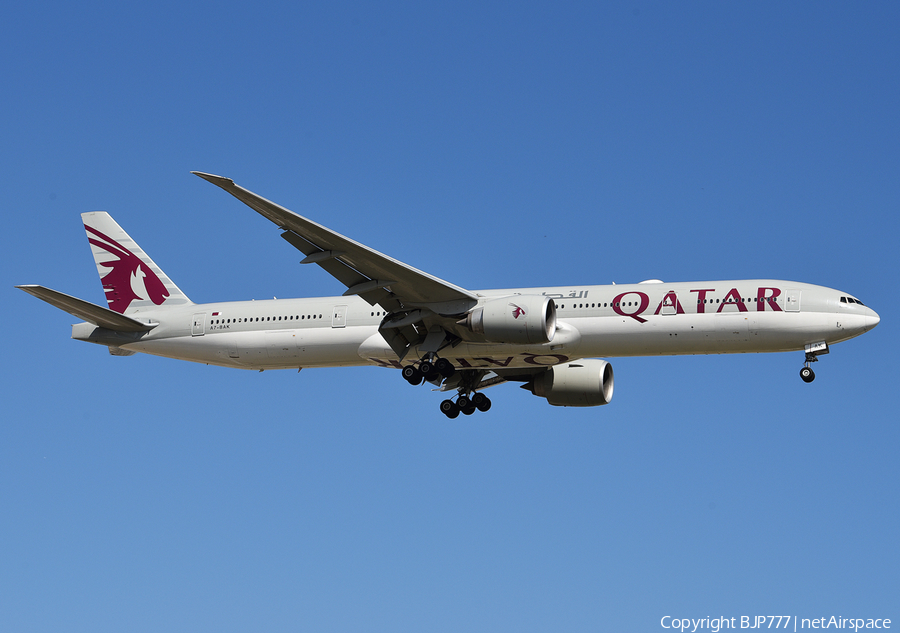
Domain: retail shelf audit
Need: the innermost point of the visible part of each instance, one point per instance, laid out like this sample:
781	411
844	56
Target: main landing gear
465	405
429	369
436	370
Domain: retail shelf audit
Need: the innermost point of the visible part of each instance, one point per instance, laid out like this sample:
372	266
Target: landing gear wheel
807	374
481	401
412	375
469	410
428	370
444	367
463	403
449	408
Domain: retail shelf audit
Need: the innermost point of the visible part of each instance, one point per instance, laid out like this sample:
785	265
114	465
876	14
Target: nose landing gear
813	351
807	374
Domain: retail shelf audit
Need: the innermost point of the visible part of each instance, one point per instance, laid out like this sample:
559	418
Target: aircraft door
339	317
198	324
792	301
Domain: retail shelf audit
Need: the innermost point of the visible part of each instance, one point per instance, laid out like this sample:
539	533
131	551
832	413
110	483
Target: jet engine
583	383
518	319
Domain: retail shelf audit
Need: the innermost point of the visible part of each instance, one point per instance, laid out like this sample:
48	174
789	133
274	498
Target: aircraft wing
373	276
422	309
90	312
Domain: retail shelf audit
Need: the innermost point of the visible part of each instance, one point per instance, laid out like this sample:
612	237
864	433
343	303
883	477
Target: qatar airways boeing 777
462	341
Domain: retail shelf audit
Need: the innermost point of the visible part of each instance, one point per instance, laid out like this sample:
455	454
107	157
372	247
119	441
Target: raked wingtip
216	180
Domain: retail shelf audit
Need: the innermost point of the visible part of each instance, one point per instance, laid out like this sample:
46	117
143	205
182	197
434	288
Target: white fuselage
647	319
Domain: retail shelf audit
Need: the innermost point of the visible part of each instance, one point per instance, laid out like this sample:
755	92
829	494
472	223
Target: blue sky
494	145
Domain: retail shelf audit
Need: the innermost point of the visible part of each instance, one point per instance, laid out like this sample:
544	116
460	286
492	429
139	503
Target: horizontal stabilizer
90	312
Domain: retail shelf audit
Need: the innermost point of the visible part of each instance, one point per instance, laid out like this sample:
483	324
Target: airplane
553	340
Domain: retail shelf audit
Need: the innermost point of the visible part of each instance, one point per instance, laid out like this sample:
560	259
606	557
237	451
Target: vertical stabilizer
131	280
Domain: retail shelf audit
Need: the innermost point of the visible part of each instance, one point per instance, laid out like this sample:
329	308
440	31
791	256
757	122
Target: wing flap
87	311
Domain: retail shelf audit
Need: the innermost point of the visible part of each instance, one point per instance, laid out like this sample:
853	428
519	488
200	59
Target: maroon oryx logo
517	310
129	278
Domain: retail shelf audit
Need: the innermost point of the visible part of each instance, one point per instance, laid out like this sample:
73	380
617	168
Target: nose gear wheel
807	374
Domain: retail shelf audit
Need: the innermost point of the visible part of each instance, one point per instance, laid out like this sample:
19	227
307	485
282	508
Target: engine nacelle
583	383
518	319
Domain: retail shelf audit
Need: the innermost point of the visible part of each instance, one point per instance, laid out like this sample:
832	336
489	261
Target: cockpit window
852	300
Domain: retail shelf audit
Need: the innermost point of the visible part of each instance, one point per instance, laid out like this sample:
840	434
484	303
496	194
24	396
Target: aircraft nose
872	319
